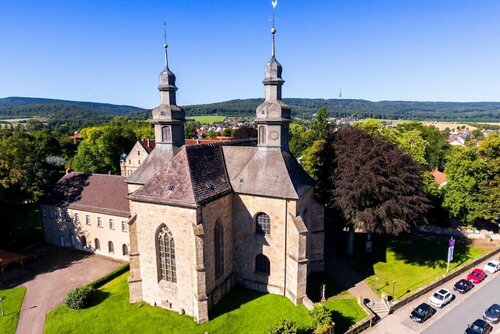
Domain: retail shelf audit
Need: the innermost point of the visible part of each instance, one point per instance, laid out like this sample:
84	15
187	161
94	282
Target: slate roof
157	159
100	193
192	177
264	172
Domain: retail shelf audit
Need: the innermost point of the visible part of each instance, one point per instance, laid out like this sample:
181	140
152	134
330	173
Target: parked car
492	266
463	286
476	276
492	314
441	298
422	312
479	327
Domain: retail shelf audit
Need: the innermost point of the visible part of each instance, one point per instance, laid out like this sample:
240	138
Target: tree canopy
371	182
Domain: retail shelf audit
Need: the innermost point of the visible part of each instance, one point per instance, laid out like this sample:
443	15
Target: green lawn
242	311
12	302
411	261
208	119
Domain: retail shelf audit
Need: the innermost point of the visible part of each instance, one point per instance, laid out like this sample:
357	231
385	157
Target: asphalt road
472	308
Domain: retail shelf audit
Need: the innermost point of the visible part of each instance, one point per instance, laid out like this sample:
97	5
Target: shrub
325	329
284	327
80	297
320	315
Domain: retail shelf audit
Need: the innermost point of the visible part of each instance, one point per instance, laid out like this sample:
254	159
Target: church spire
168	118
273	115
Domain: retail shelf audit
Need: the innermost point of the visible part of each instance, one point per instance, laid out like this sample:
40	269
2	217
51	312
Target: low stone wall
365	323
442	280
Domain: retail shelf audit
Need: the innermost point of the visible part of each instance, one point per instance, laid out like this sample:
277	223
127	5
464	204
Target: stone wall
312	214
180	296
219	211
60	225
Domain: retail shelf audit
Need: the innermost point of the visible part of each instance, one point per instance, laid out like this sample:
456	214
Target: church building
201	219
207	217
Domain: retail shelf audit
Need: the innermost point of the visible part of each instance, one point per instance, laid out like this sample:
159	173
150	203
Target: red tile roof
439	177
148	144
100	193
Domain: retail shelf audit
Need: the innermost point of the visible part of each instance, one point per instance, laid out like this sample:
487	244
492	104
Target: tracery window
263	223
219	249
166	255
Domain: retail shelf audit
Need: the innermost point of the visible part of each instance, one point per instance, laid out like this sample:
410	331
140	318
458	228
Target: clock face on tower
274	135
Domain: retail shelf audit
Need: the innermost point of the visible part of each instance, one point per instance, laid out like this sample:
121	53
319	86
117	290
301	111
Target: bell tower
273	115
168	118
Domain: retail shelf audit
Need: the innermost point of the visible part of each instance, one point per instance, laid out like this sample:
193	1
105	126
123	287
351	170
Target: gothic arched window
263	223
219	249
166	255
262	264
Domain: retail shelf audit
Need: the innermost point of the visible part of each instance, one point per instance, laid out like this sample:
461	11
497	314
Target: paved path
399	321
50	278
345	277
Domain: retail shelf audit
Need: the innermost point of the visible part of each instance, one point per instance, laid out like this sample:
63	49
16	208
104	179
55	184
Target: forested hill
81	113
463	111
30	106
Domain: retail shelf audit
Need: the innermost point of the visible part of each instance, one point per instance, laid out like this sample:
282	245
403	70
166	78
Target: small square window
99	222
111	224
124	226
138	162
77	218
87	219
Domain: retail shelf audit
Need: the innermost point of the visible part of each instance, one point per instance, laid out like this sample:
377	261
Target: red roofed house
439	177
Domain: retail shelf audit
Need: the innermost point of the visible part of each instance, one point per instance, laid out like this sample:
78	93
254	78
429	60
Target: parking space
469	310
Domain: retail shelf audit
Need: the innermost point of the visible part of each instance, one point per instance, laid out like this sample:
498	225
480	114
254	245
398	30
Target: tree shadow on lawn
237	297
342	322
428	250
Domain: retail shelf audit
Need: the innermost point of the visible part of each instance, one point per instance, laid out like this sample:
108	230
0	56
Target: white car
492	266
441	297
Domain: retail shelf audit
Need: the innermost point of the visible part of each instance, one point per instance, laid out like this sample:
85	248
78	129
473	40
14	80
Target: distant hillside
74	114
451	111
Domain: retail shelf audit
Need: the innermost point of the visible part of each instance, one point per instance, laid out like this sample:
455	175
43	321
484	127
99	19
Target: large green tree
472	192
100	151
25	174
372	183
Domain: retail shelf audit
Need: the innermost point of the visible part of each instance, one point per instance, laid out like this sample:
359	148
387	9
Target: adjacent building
89	212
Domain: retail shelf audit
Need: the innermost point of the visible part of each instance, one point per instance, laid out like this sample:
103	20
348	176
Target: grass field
242	311
210	119
12	302
411	262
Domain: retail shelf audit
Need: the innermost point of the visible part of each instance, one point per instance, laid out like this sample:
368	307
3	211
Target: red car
476	276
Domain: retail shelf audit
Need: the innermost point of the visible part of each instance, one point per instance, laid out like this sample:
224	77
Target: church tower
168	118
273	115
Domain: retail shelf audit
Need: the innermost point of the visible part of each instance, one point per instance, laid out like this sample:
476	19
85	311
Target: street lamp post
376	283
393	288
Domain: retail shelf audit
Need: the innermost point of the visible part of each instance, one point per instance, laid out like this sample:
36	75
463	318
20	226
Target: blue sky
111	51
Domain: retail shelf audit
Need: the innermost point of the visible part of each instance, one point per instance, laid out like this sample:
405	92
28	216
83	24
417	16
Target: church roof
157	159
273	173
100	193
192	177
